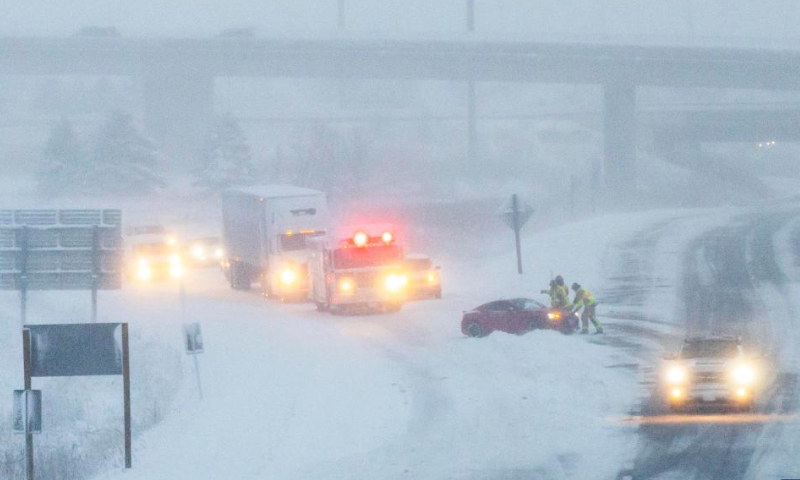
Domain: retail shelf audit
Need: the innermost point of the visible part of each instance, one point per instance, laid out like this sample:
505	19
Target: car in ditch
518	316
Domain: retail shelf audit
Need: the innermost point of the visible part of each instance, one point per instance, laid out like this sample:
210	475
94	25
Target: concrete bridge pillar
178	107
620	137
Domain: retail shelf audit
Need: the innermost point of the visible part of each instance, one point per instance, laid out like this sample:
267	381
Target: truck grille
367	279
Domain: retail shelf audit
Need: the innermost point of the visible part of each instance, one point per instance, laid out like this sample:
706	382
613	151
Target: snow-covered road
291	393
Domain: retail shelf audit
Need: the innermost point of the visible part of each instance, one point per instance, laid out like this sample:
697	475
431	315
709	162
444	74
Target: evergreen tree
227	161
123	160
64	163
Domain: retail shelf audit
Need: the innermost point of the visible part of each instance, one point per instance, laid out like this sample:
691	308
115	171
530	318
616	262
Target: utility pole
472	129
341	15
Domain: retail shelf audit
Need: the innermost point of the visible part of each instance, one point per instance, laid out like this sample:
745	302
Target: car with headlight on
205	252
154	257
711	372
424	279
518	316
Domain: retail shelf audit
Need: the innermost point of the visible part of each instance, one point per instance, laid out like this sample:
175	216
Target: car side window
498	307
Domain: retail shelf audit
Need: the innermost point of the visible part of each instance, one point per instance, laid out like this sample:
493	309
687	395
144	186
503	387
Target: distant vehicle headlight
219	253
174	259
143	273
199	252
744	374
676	375
176	271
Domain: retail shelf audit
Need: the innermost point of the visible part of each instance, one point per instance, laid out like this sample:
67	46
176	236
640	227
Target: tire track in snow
723	271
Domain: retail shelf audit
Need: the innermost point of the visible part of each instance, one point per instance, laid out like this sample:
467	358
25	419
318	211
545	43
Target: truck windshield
297	241
709	349
373	256
160	248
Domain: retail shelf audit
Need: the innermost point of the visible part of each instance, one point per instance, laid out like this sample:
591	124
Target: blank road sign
193	337
76	349
60	249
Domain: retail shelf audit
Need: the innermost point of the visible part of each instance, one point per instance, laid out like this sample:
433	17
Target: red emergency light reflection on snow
360	239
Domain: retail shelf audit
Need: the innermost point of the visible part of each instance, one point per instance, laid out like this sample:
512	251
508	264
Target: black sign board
76	349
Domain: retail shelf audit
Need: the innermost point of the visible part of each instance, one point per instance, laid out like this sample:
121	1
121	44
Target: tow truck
711	371
359	272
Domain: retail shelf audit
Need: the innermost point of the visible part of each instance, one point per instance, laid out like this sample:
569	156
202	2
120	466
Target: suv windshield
709	349
373	256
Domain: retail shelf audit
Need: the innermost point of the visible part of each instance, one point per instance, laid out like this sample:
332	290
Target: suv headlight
676	375
744	374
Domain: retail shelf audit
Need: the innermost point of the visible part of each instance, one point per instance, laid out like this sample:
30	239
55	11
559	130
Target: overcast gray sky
726	18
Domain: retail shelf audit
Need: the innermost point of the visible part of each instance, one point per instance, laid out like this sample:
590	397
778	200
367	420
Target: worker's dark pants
589	314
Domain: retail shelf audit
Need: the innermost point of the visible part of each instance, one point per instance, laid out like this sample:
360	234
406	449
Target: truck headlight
288	276
676	375
744	374
174	259
347	285
395	282
219	253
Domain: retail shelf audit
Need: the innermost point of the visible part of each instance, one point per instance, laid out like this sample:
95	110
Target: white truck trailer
265	237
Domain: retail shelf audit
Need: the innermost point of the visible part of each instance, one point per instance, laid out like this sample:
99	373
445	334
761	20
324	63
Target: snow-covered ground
292	393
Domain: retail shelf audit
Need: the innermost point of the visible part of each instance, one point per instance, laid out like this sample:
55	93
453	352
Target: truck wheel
240	277
322	307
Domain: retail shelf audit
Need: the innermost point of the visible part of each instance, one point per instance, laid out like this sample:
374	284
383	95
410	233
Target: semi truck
266	233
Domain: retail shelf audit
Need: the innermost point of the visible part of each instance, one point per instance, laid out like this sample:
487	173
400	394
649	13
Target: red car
516	315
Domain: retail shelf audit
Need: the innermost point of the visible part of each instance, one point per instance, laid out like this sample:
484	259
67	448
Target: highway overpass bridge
178	74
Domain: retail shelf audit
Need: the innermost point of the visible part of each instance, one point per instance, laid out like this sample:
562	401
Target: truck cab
358	273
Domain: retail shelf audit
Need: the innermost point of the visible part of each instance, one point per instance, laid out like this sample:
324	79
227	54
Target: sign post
515	213
27	369
193	339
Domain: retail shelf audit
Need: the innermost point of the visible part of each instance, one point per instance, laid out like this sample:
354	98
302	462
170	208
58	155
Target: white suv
710	371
